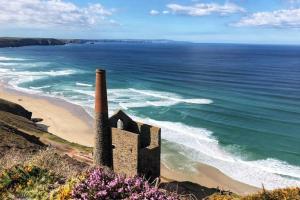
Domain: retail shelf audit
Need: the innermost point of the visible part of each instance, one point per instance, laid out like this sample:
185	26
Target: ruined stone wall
137	147
149	162
149	157
125	152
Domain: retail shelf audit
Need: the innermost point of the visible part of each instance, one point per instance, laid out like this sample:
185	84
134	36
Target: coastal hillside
19	42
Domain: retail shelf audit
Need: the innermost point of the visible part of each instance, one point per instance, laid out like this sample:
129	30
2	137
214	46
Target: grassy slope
27	126
279	194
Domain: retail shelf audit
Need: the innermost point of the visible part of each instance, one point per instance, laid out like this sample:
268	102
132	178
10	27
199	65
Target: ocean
234	107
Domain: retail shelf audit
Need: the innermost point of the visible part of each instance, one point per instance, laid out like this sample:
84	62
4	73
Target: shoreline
72	123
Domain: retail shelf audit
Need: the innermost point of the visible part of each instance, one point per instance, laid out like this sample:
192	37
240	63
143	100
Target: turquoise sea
235	107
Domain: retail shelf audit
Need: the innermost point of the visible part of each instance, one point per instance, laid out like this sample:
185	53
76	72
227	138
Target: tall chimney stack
103	140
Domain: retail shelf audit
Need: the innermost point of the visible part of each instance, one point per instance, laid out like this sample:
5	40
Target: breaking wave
133	98
38	88
171	97
199	145
2	58
15	77
84	84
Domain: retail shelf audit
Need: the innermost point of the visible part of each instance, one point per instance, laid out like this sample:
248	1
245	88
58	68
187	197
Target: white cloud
154	12
43	13
280	18
294	1
166	12
202	9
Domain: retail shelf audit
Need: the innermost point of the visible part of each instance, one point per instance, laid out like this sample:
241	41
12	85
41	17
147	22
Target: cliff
18	132
19	42
15	109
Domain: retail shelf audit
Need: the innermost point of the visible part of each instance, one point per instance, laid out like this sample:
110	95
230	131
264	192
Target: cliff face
21	137
19	42
14	124
15	141
15	109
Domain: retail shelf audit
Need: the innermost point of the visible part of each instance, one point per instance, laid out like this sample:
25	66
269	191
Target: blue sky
217	21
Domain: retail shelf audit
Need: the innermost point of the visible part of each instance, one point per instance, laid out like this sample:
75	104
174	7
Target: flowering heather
101	184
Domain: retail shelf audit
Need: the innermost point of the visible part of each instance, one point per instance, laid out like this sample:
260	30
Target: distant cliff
19	42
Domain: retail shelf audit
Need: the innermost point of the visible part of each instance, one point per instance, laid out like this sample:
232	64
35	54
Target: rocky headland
19	42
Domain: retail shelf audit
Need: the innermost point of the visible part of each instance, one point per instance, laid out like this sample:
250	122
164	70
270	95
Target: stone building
122	144
136	146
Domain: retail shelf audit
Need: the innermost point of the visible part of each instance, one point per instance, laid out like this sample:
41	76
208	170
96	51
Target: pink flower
106	185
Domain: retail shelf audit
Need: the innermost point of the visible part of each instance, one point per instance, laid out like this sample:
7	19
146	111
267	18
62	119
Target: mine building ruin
126	146
136	146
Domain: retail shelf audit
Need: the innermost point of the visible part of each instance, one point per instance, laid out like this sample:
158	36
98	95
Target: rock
14	108
37	120
13	141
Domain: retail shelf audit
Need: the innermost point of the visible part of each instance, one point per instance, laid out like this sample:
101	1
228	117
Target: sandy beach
72	123
61	118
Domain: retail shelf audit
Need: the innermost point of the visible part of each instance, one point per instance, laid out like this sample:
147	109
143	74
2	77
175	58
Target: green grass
59	140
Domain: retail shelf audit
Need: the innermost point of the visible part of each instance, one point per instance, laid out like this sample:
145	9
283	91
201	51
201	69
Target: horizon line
170	40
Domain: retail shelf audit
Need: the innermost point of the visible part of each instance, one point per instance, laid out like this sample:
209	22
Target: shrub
101	184
63	166
64	192
26	182
278	194
12	158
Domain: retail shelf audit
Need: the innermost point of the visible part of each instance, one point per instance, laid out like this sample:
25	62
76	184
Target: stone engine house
136	146
126	146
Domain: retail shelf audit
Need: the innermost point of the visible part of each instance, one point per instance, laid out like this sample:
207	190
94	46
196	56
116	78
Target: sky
207	21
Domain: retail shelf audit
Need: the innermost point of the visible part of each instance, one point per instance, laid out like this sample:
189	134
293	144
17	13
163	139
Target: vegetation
27	182
47	175
103	184
279	194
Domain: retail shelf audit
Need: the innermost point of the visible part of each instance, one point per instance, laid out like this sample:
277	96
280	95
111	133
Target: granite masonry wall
136	147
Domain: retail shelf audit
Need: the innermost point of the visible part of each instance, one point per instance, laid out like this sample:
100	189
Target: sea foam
22	64
2	58
84	84
171	97
134	98
200	145
16	77
41	87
